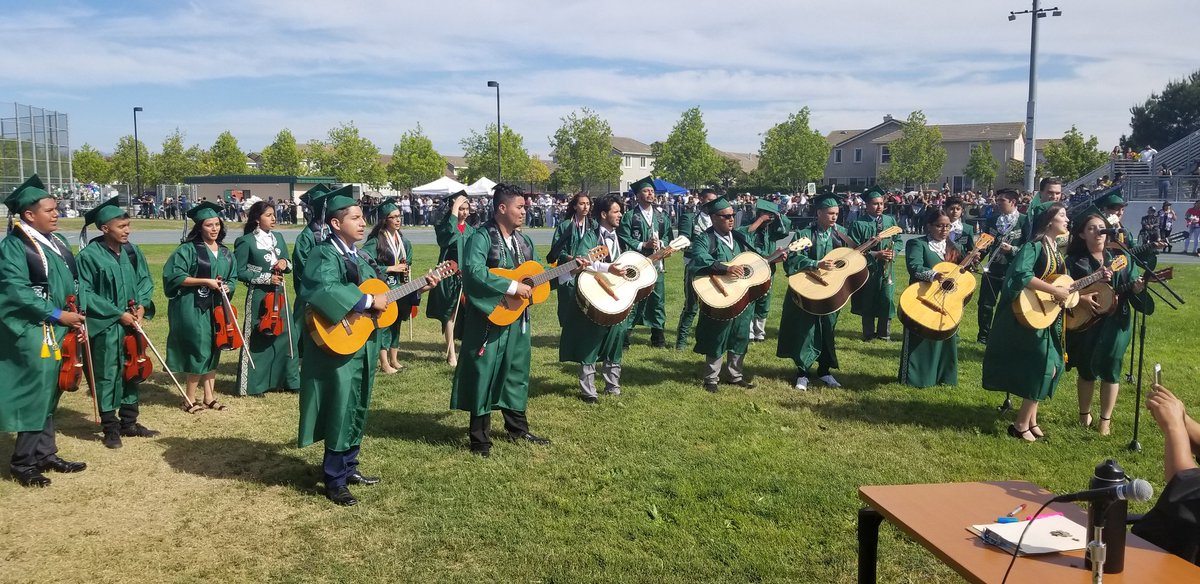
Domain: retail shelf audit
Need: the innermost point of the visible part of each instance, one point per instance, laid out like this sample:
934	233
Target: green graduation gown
30	393
190	345
493	366
581	340
877	298
715	338
1019	360
275	362
567	242
804	337
1099	351
335	390
112	280
634	231
445	296
300	249
763	240
925	362
389	338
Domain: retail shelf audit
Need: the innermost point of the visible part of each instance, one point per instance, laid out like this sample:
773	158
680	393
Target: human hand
379	302
737	270
276	279
1061	295
71	319
280	265
826	264
1090	299
127	319
213	283
1138	286
524	291
616	270
1167	409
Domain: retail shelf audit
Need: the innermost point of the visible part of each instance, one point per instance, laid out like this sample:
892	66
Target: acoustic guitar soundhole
949	285
839	264
631	273
747	271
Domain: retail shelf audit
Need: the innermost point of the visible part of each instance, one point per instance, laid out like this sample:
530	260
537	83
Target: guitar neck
553	274
1087	280
661	254
404	290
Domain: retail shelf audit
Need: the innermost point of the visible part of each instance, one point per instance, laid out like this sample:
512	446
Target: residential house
636	160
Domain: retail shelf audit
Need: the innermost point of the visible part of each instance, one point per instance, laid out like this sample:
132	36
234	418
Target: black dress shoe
744	383
59	465
341	496
139	431
710	387
112	439
530	438
589	399
482	453
31	478
358	479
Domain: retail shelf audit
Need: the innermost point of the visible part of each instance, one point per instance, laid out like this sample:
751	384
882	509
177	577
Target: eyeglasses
724	215
939	226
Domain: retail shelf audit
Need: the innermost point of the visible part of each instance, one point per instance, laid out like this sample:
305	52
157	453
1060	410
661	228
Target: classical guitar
827	291
725	296
1140	249
1082	317
607	299
1038	310
934	310
349	334
538	278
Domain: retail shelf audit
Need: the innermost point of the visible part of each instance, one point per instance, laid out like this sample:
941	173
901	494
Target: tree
352	158
1073	156
1167	117
414	161
124	162
917	156
982	166
792	154
174	162
200	160
282	156
1015	173
480	152
731	173
227	157
583	150
537	174
685	158
90	166
317	158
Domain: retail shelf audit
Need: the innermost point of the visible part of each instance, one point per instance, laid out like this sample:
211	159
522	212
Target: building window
858	154
628	162
837	155
643	162
885	155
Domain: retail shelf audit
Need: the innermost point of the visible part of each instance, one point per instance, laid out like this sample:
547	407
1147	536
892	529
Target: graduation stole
656	218
204	299
39	269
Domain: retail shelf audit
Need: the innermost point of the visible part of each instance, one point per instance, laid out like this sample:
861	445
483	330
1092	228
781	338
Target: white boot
801	383
830	381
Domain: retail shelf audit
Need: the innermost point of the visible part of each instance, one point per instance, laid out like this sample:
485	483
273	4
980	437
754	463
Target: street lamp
137	156
499	165
1031	106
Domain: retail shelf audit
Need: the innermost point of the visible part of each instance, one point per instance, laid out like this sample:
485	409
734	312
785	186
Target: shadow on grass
417	426
908	412
239	459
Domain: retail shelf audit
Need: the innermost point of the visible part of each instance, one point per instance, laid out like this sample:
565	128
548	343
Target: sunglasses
724	215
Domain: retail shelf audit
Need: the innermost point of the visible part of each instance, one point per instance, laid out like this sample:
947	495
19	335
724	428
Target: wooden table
938	515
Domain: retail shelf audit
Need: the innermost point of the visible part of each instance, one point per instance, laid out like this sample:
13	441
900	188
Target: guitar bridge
817	278
934	306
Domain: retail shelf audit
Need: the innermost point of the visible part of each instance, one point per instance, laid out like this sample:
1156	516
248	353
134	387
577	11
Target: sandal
215	405
1085	419
1015	433
194	408
1036	430
1105	427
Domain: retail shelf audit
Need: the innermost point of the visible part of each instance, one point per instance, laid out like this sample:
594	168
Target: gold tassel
45	350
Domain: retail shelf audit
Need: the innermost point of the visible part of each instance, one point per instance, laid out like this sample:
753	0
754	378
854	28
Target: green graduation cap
1112	198
313	195
716	205
1085	212
104	212
386	208
339	199
875	192
204	211
826	201
641	184
25	195
765	206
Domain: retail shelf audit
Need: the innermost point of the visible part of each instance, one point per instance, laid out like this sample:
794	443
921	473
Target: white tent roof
440	187
481	187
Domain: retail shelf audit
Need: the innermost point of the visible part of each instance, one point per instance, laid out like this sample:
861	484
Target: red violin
71	348
273	306
226	336
137	366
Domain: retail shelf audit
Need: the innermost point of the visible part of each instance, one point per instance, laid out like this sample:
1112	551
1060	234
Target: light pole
1031	106
137	156
499	164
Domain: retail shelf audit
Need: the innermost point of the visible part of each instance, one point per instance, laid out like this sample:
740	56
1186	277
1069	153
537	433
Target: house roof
748	160
629	145
1040	143
456	161
1007	131
837	137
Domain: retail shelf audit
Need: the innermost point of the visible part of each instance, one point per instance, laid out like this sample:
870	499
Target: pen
1014	512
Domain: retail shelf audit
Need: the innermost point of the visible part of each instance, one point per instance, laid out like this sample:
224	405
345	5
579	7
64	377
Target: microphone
1111	233
1135	490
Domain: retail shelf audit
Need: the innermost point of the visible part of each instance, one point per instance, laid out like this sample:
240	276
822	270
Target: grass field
666	483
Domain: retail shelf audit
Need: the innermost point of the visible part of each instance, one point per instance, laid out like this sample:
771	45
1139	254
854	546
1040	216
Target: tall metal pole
137	157
1031	106
499	151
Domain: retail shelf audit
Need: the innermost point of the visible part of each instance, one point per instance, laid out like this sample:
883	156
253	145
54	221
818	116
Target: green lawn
666	483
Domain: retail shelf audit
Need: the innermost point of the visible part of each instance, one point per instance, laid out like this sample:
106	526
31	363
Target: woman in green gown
192	278
567	243
925	362
1020	360
452	232
392	253
1097	352
261	256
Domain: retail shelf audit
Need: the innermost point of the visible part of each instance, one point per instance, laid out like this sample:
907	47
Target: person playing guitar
925	362
875	302
1010	227
807	338
261	257
115	272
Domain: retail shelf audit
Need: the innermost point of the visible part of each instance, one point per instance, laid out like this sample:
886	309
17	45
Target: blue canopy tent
662	186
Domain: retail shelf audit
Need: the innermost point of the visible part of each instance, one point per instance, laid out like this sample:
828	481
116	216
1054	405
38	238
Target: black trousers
33	448
337	466
121	419
989	291
480	432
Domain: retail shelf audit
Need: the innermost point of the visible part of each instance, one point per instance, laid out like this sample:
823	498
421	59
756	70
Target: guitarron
607	299
934	310
822	292
725	296
1038	310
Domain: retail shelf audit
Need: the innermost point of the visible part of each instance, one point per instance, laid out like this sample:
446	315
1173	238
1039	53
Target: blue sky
255	66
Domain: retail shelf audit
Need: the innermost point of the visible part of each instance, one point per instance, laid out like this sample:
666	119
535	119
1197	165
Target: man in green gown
1010	228
121	294
691	226
875	302
313	233
37	274
335	390
644	229
715	339
493	369
769	227
807	338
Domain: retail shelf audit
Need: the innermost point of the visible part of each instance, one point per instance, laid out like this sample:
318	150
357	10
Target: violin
225	334
273	305
137	366
71	347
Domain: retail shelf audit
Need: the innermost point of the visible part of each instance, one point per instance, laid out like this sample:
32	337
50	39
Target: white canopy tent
481	187
440	187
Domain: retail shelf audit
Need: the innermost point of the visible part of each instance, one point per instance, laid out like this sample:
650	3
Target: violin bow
90	373
138	327
229	307
287	311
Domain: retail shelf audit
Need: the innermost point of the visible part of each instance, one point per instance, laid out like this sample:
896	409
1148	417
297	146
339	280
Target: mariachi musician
392	254
121	296
875	302
261	257
193	279
313	233
37	274
927	362
1010	228
446	298
644	229
769	227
